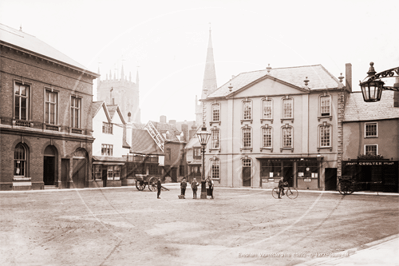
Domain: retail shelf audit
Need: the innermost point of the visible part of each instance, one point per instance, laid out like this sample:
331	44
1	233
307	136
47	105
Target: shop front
302	173
107	171
372	175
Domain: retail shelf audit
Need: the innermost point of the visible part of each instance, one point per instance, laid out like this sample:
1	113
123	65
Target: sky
166	41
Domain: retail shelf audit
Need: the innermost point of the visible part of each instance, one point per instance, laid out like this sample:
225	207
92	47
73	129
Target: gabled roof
193	142
357	109
30	44
164	128
115	108
318	76
142	143
96	107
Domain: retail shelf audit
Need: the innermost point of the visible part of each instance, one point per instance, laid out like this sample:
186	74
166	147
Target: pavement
380	252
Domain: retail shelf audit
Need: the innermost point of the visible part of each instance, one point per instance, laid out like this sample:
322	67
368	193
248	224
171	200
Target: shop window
370	149
21	101
51	107
271	169
107	149
107	128
308	169
75	111
97	171
20	160
215	141
113	172
371	130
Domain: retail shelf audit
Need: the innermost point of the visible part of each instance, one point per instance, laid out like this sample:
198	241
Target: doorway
331	178
49	166
104	175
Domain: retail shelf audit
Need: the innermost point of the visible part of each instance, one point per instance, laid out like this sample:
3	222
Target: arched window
20	160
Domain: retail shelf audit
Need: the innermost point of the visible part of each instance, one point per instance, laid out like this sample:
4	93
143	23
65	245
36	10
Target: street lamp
372	86
203	137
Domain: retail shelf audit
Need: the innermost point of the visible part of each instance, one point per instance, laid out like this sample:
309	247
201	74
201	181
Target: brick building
45	116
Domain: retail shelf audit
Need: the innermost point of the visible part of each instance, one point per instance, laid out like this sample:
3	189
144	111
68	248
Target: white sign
271	174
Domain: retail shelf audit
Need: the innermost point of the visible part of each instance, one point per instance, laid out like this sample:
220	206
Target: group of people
194	187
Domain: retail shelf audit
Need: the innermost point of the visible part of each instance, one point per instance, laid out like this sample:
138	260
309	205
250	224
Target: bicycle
291	192
346	186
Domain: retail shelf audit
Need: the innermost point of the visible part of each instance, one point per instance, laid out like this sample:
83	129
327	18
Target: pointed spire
122	73
130	76
209	84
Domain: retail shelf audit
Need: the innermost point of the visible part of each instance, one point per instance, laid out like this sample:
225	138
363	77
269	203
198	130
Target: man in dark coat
183	186
159	186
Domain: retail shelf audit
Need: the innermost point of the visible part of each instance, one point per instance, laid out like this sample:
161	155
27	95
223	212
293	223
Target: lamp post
372	86
203	137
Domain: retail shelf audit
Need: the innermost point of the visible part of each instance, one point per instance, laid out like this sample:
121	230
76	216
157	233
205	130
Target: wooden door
48	170
79	173
246	176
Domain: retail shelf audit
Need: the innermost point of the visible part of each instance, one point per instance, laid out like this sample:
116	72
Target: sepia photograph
204	132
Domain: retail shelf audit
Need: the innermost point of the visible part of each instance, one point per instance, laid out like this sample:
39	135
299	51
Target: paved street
123	226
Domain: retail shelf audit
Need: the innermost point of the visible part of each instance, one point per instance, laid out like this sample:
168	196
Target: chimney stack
348	76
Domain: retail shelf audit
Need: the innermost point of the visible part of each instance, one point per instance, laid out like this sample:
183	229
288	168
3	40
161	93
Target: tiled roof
318	76
30	43
193	142
164	128
358	110
95	107
112	110
143	143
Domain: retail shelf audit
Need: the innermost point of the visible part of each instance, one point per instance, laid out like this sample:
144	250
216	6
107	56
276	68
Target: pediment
269	86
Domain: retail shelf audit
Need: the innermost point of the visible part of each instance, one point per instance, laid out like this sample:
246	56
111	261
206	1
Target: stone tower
123	92
209	84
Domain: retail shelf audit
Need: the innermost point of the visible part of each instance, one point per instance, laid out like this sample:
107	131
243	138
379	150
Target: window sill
266	119
266	148
51	127
22	123
21	178
76	131
281	149
371	137
321	117
246	120
246	149
321	148
215	122
287	119
214	149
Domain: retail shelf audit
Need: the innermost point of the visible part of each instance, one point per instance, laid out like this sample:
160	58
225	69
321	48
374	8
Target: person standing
194	185
183	186
159	187
210	185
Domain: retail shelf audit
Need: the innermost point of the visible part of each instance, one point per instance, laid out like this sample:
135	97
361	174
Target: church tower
123	92
209	84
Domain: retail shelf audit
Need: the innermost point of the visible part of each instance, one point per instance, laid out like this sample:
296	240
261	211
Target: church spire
122	73
209	84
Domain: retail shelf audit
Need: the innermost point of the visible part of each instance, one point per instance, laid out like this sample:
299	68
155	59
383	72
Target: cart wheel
140	185
152	184
275	192
345	187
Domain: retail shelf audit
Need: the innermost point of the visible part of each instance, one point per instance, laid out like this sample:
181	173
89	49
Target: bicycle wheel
291	192
345	187
275	192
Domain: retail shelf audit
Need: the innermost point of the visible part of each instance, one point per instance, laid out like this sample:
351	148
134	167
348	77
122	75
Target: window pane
23	90
23	109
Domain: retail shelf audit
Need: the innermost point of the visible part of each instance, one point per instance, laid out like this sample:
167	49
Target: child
183	186
194	186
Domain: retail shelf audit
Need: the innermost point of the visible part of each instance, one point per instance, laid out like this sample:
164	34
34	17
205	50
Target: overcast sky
168	40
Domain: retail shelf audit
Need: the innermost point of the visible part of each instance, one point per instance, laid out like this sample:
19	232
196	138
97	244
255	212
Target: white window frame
291	100
247	115
321	128
107	128
22	161
107	149
264	129
47	105
215	168
18	85
321	105
371	145
75	108
215	139
216	112
376	129
284	147
245	130
268	101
